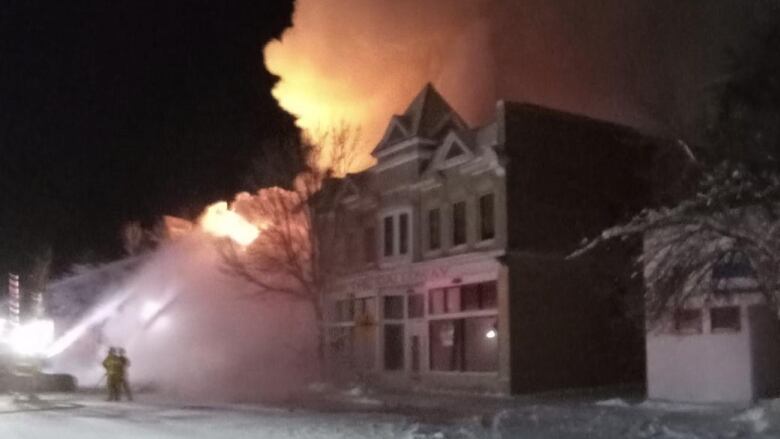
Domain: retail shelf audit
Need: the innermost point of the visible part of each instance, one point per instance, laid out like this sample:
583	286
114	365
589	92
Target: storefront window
437	302
453	299
468	344
365	308
345	311
416	306
480	344
446	344
340	341
470	297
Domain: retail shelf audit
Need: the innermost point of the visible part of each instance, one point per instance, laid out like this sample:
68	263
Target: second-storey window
369	244
459	223
487	228
389	240
396	234
403	233
434	229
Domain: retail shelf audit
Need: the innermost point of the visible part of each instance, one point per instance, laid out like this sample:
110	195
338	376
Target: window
453	299
437	302
394	347
416	306
369	245
688	321
396	233
365	308
351	253
732	264
446	344
444	300
725	319
468	344
479	296
388	236
459	223
487	228
340	341
403	233
434	229
470	297
345	310
394	307
480	344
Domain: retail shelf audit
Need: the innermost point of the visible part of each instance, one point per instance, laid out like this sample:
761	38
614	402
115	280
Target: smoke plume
637	62
191	331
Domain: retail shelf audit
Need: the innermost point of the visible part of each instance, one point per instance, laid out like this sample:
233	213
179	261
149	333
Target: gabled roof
426	116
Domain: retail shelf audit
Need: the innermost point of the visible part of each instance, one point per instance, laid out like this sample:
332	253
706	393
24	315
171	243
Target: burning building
450	266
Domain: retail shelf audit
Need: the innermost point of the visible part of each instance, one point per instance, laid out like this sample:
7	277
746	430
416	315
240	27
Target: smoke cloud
637	62
192	331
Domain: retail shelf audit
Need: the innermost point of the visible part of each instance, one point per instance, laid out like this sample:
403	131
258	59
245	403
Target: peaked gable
396	131
427	117
453	151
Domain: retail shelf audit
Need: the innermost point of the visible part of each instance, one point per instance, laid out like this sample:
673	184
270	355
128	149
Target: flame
221	221
359	62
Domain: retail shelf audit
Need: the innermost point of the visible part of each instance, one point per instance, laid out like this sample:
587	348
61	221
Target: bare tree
285	258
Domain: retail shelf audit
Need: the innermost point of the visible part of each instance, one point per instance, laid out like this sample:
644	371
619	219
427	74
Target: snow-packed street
88	417
357	415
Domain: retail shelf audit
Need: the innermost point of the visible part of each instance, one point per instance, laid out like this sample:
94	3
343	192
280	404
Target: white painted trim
402	145
394	123
441	162
397	161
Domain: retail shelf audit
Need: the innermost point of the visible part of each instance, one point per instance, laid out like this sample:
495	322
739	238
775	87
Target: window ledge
460	248
725	331
486	243
433	253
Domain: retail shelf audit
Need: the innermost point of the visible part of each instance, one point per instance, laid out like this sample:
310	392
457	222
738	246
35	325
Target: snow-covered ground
355	414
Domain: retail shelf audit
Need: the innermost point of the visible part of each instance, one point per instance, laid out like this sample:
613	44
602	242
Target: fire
221	221
360	62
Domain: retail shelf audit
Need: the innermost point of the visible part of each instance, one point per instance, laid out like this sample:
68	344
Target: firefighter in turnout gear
124	384
114	374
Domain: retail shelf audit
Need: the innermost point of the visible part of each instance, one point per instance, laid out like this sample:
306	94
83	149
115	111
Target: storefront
431	323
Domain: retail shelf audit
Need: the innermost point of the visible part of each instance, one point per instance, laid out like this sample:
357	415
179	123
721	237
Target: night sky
117	111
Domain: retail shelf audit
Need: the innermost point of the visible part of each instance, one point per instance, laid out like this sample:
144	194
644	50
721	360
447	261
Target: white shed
720	347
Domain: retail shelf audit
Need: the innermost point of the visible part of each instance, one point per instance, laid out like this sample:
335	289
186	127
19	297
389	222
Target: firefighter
124	384
114	368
